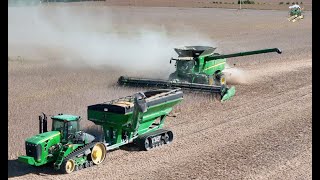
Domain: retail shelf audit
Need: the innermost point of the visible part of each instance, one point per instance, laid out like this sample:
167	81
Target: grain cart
295	13
197	68
136	119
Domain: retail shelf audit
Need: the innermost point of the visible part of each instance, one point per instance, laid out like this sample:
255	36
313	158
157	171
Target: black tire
170	136
166	138
219	79
147	144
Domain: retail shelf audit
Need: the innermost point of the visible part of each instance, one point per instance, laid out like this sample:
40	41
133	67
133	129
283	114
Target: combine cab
295	13
198	68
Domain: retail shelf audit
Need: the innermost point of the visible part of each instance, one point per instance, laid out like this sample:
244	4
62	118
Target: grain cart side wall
116	124
117	120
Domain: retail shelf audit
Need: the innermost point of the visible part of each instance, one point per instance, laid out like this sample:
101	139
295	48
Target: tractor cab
66	124
295	10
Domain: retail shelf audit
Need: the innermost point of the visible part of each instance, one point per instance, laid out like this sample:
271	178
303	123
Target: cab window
57	125
73	126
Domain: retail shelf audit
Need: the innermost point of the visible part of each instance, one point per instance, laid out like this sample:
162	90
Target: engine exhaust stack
40	124
43	124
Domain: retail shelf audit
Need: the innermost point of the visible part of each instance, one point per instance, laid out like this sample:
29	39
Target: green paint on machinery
295	13
197	68
136	119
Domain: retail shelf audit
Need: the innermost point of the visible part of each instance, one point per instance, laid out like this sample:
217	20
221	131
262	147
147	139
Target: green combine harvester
136	119
198	68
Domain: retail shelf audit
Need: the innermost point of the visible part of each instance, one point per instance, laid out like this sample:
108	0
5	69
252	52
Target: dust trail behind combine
235	75
252	74
79	38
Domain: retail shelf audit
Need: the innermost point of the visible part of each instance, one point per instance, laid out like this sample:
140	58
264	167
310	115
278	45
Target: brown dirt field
230	4
264	132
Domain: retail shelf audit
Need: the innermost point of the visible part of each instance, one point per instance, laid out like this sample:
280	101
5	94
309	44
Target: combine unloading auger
198	68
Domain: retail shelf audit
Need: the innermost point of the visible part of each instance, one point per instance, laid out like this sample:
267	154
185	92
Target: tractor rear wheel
98	153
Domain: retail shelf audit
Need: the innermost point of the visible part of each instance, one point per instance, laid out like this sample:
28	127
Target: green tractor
197	68
56	145
295	13
136	119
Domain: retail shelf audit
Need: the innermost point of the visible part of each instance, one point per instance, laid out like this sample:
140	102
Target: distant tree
280	2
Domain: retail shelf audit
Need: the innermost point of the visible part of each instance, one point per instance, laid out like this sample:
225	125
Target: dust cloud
95	37
235	75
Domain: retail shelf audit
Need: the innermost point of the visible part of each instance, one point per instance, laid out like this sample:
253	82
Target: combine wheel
68	166
219	79
98	153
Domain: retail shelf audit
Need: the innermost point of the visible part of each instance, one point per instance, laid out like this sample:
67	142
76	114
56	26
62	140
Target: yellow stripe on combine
214	66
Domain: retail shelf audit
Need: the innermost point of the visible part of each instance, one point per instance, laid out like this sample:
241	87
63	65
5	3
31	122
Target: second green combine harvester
197	68
137	119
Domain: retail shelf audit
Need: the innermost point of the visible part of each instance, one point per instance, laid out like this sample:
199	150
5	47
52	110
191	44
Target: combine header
198	68
134	119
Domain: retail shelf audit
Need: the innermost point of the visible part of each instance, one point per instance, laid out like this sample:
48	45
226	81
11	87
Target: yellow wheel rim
210	81
98	153
223	80
70	166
